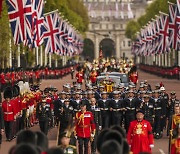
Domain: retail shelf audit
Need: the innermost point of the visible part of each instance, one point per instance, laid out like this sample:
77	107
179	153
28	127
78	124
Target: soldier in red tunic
175	142
80	77
140	137
9	113
85	128
93	76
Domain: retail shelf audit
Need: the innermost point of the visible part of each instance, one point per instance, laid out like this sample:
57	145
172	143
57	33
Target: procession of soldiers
84	110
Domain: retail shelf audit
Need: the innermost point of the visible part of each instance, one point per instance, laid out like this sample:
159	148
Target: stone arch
107	45
88	50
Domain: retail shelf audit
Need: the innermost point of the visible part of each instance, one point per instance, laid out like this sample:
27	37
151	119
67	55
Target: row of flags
160	35
32	27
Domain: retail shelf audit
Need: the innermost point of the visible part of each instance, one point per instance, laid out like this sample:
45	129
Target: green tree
151	11
74	11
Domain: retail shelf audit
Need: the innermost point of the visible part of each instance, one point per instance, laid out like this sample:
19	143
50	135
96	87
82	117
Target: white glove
151	145
75	137
100	127
92	135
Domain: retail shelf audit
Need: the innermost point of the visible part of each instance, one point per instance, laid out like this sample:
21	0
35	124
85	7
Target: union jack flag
173	26
37	25
164	36
20	17
51	32
62	42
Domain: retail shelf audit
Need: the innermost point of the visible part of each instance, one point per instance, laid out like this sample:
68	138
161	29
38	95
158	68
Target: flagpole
45	58
50	60
41	55
19	58
37	56
171	3
45	14
163	13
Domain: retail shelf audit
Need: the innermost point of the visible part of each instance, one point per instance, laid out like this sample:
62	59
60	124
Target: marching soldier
9	113
159	115
92	76
175	142
130	105
164	99
1	123
76	102
44	116
66	116
171	105
85	128
148	108
104	105
98	122
117	109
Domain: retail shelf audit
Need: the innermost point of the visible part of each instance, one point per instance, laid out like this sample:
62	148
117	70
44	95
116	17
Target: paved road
161	146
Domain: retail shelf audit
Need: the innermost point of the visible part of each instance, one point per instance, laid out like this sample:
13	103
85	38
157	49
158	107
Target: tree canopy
151	11
72	10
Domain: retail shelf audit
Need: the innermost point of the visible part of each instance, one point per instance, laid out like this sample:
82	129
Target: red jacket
84	124
133	77
93	76
140	136
175	146
8	110
79	77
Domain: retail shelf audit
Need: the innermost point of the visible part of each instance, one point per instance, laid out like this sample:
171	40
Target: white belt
8	112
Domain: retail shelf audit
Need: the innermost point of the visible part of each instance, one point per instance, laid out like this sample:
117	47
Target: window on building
121	26
124	43
129	43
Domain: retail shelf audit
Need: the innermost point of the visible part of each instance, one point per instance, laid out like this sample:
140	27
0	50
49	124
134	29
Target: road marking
161	151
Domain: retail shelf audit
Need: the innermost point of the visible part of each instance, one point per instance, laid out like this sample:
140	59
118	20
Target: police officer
117	109
104	105
44	116
98	122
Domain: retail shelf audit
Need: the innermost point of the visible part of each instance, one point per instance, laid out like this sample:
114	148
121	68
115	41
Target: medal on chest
139	129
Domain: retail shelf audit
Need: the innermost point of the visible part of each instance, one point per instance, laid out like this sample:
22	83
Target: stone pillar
96	47
118	47
19	58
